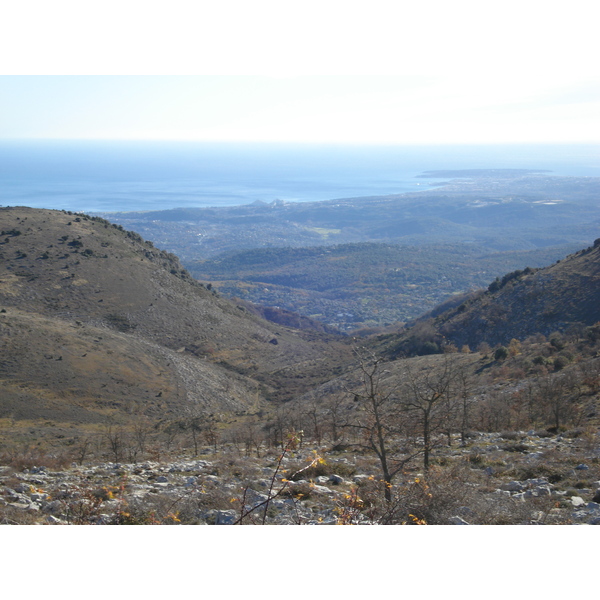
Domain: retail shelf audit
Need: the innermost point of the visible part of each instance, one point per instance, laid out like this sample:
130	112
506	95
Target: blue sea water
105	176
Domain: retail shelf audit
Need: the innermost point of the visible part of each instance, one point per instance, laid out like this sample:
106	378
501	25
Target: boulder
221	517
541	490
52	507
254	498
512	486
532	483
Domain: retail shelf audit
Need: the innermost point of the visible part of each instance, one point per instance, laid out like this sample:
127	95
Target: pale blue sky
438	72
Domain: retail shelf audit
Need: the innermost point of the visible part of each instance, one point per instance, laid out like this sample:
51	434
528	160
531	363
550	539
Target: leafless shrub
27	458
432	499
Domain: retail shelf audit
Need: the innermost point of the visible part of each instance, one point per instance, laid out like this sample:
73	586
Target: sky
328	71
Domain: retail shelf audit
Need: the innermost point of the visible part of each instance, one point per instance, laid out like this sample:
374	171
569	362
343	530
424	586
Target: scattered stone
62	497
53	507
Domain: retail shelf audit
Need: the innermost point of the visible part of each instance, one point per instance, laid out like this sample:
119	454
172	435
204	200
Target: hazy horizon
92	175
351	109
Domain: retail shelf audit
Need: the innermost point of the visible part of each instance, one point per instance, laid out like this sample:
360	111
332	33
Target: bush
432	500
556	340
501	353
322	469
516	448
511	435
560	362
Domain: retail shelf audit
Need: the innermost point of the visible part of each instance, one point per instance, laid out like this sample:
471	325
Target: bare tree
560	395
333	416
378	418
194	424
314	420
463	381
430	399
116	441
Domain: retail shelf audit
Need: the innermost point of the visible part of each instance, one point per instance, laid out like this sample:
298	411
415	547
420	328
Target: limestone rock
456	520
512	486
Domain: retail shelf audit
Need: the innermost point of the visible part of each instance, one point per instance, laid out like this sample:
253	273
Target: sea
125	176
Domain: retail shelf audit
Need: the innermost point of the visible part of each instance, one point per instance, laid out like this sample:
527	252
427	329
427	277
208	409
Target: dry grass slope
98	323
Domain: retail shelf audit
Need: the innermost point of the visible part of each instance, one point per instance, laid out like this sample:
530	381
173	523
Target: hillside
564	296
97	322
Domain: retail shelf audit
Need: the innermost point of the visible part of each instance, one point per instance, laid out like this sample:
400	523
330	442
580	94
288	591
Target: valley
354	361
369	262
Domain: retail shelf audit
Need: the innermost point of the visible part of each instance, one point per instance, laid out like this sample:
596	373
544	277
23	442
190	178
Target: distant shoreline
471	173
100	177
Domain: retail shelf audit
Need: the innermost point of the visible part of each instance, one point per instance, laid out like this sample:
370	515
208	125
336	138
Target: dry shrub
229	465
496	509
320	469
433	499
163	509
34	457
10	515
210	495
301	491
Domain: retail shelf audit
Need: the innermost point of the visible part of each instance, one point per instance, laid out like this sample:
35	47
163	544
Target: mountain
523	303
96	322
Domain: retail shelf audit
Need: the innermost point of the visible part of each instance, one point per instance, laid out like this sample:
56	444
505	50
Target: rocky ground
511	478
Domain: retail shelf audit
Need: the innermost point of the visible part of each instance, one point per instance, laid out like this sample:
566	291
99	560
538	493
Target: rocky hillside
96	322
555	481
